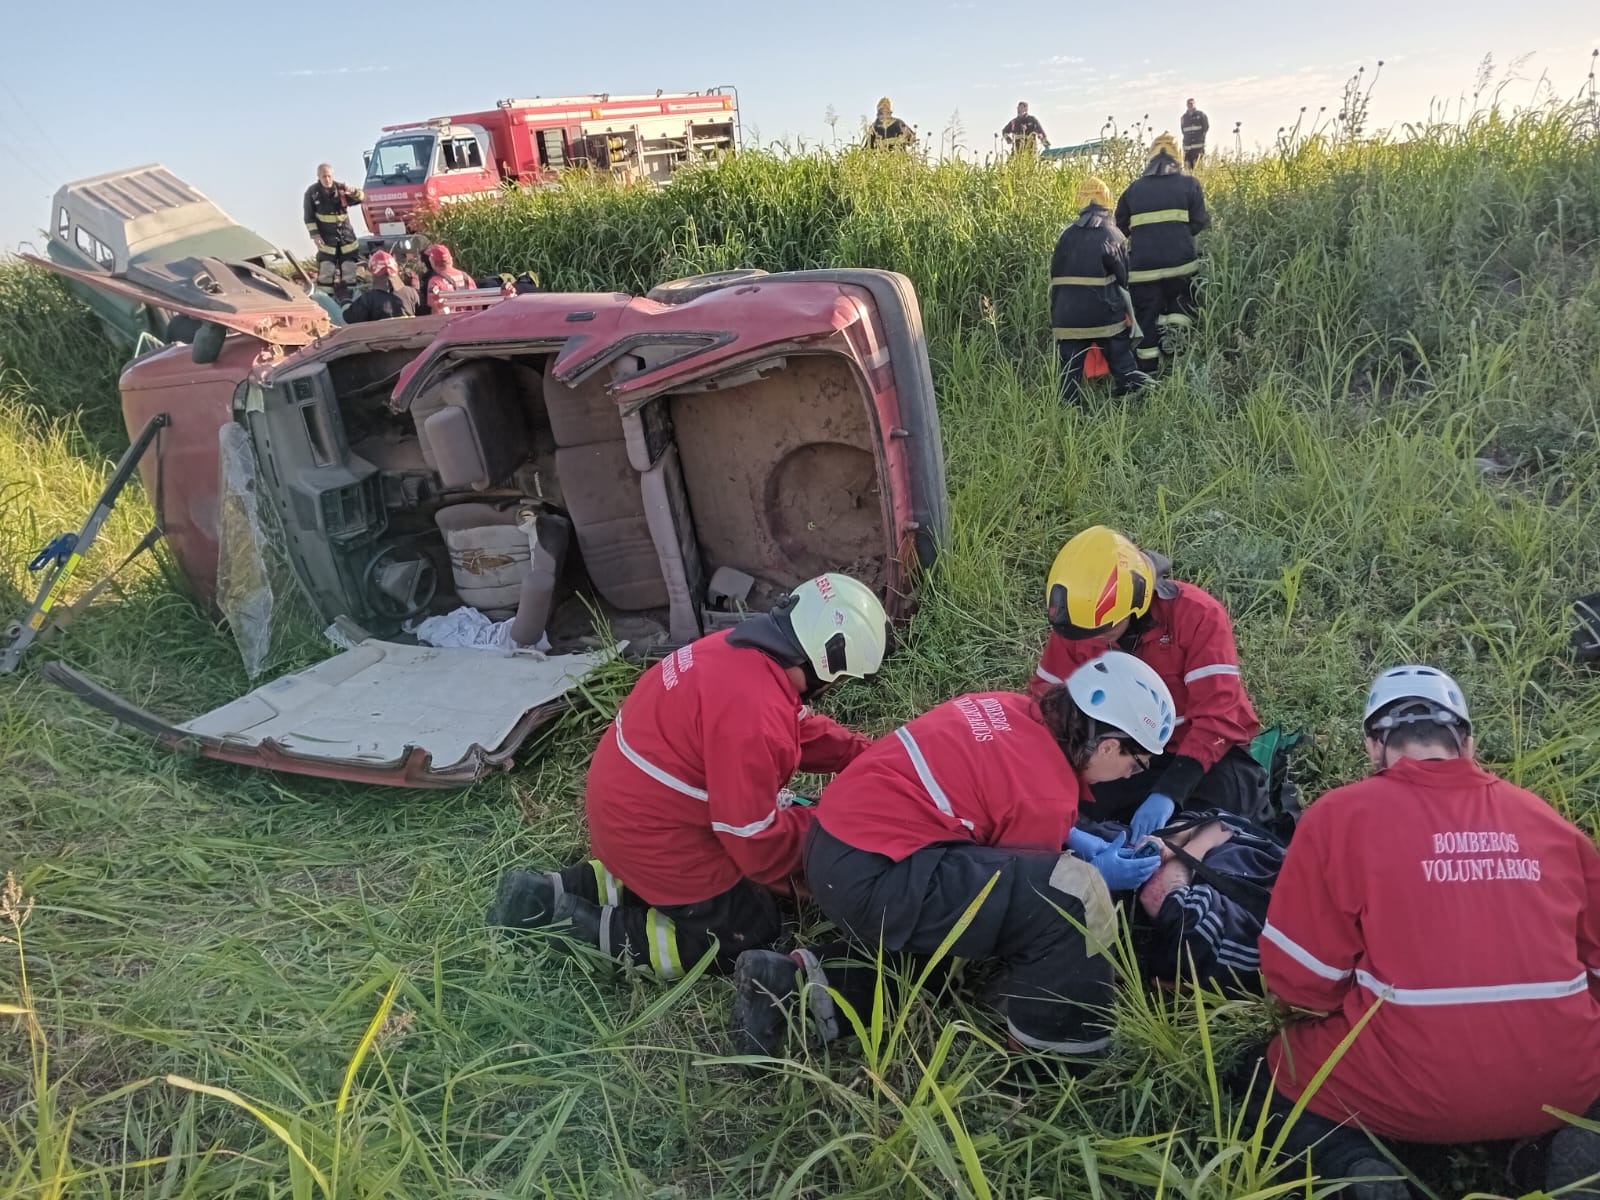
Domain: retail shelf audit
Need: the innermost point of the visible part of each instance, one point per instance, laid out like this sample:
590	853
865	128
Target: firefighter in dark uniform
1089	300
1161	212
1023	133
327	217
1194	125
889	132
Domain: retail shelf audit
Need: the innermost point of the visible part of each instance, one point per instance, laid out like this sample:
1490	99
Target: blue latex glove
1152	815
1084	844
1121	868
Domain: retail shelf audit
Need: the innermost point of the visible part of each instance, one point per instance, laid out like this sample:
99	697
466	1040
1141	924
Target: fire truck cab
470	156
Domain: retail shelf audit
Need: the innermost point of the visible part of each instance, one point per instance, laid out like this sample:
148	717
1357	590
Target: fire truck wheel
692	287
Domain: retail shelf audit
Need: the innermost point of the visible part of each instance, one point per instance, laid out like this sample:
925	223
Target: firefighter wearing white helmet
1103	590
1455	919
693	831
979	792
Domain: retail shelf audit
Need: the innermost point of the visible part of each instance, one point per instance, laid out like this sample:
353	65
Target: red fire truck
466	157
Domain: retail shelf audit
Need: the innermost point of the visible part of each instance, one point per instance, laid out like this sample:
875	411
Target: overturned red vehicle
646	466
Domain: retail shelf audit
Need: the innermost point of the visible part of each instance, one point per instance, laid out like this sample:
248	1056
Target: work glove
1152	815
1121	868
1085	844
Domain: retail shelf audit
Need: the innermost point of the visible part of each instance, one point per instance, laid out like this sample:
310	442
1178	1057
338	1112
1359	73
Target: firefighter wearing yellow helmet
1161	212
889	132
1102	591
1089	301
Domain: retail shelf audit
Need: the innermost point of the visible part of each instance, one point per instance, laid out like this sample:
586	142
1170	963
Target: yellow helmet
1099	579
1093	190
1166	144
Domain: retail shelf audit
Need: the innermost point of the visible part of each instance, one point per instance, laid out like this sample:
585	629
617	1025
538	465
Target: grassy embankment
1381	448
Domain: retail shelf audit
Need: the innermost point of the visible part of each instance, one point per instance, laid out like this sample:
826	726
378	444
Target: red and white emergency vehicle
469	156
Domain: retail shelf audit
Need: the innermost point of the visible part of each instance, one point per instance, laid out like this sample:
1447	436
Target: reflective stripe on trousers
1156	274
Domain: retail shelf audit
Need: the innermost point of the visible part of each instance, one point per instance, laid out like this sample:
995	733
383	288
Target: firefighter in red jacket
443	277
982	788
691	823
327	217
1471	910
1103	590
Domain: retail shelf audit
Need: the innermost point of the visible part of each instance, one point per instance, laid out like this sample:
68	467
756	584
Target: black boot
1574	1156
1135	381
1369	1188
768	984
525	900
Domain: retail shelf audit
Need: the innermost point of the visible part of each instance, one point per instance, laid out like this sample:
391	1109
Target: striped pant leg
671	938
1178	311
1149	302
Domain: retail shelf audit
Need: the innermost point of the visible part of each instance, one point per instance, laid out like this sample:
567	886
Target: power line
27	115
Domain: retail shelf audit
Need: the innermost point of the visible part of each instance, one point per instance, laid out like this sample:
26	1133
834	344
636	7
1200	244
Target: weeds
1382	446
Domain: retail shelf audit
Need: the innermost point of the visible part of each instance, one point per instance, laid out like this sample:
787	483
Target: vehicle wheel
692	287
207	344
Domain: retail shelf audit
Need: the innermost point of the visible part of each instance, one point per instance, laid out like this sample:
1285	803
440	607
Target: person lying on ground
981	791
692	827
1104	591
1452	921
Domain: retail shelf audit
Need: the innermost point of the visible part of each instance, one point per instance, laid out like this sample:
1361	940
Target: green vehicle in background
144	219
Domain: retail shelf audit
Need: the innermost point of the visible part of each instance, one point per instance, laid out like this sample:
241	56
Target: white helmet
1124	692
1428	685
839	624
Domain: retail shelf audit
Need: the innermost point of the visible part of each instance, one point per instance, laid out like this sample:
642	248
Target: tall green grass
1382	446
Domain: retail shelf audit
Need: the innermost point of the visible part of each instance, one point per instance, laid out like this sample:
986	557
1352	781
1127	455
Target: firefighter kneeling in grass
327	218
691	824
980	792
1161	212
1450	922
1105	591
1089	301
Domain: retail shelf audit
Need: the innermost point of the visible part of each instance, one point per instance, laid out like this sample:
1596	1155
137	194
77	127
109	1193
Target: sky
244	100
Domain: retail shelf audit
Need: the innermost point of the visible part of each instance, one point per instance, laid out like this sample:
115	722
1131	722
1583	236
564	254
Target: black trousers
670	938
1192	155
1047	923
1161	307
1333	1149
1237	784
1070	353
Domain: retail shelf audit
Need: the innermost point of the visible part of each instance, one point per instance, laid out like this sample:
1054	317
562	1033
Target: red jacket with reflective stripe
1189	641
683	793
980	768
1474	909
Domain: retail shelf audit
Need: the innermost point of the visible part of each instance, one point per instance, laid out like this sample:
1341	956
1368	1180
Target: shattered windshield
401	159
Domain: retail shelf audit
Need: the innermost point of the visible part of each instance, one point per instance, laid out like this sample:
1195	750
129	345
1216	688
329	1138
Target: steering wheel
419	594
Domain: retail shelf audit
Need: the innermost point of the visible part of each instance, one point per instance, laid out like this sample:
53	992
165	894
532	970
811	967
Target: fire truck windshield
404	158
